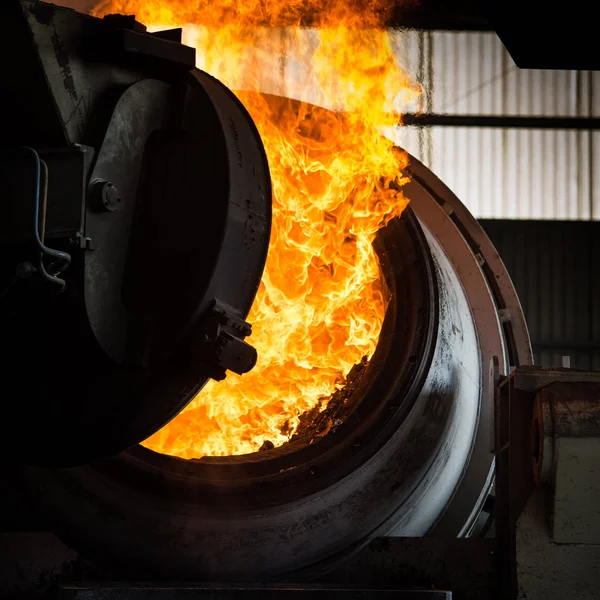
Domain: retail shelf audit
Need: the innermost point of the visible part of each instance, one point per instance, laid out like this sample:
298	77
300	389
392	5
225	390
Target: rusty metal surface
534	379
572	409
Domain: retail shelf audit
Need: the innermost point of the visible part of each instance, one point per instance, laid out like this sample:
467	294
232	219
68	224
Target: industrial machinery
134	227
100	209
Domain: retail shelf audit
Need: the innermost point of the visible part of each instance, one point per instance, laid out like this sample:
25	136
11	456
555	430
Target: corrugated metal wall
503	173
471	73
555	267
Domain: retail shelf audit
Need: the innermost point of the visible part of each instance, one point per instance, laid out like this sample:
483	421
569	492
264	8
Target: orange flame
321	302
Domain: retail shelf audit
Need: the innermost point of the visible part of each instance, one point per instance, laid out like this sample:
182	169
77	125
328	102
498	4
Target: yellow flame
321	302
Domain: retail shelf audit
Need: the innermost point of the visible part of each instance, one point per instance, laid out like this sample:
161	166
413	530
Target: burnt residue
319	421
267	445
250	225
236	140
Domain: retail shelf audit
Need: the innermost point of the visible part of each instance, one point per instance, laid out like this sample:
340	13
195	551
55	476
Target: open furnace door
161	199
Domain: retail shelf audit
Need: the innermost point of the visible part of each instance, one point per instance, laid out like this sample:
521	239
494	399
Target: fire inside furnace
321	303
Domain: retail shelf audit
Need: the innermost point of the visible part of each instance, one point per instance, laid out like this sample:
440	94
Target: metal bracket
129	42
221	343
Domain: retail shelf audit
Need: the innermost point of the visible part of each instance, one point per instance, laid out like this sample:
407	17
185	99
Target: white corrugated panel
505	173
513	173
471	73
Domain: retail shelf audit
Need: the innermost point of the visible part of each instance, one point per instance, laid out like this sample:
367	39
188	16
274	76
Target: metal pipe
501	121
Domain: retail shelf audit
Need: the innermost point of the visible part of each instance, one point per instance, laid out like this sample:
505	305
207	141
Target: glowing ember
321	302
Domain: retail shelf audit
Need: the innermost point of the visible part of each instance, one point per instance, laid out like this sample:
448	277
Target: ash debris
318	421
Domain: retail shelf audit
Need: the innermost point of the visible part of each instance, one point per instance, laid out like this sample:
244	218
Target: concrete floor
549	571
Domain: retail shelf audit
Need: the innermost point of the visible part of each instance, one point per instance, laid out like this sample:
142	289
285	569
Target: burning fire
321	302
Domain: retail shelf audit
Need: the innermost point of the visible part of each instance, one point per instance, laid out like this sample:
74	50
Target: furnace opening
322	300
336	182
377	404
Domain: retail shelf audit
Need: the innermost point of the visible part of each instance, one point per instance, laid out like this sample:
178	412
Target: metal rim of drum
432	203
489	290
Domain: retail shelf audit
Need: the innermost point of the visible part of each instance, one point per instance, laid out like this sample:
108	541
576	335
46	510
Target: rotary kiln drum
415	457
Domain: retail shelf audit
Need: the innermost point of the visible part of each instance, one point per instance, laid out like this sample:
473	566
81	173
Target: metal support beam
501	121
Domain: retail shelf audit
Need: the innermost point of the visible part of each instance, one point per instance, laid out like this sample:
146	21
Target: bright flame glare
321	302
